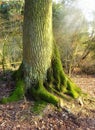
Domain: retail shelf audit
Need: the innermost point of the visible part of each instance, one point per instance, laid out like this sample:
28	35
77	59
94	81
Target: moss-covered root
72	89
17	94
61	82
40	92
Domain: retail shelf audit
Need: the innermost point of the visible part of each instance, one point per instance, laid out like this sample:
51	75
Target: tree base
54	88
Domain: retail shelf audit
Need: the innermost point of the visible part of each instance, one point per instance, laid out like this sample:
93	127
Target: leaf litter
75	115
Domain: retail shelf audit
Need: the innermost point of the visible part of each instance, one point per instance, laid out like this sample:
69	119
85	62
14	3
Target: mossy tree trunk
41	74
37	40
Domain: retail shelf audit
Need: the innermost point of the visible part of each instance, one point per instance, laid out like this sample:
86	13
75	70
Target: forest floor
76	114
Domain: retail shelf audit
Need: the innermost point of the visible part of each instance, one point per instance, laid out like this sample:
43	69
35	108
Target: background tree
11	35
74	34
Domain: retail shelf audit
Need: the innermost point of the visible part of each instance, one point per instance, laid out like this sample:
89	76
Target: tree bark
37	39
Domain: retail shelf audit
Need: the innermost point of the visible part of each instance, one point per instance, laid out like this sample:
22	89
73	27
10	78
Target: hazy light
57	1
87	7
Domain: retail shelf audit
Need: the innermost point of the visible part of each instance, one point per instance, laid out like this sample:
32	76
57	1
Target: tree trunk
41	74
37	40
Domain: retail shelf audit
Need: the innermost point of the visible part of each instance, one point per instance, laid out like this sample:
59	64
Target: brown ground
76	115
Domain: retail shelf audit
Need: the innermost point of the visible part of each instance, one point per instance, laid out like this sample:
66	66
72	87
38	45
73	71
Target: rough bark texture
37	39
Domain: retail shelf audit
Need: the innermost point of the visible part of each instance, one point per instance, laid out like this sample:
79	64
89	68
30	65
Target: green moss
71	85
62	77
56	52
38	107
4	100
50	78
61	81
41	93
57	68
72	89
17	94
59	94
73	93
56	73
18	74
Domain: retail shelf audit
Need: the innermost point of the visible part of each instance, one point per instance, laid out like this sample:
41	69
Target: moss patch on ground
38	107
